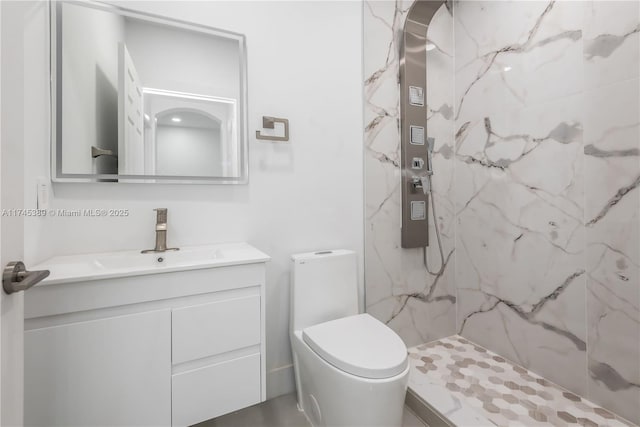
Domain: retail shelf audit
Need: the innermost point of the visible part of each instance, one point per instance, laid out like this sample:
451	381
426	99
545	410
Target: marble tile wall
520	184
612	214
547	169
419	306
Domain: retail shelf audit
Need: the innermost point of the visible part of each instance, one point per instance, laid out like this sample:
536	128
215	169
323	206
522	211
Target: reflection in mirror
144	99
186	134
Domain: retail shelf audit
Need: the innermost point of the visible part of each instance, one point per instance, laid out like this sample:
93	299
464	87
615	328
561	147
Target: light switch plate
42	193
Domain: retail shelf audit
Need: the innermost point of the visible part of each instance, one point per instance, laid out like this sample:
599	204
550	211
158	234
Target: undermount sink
74	268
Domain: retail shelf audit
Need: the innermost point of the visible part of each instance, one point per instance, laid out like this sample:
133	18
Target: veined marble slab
418	305
547	205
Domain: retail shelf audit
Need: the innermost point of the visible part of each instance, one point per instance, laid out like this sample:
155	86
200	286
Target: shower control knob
416	183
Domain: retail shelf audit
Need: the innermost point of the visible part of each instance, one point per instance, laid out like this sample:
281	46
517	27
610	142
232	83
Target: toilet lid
359	345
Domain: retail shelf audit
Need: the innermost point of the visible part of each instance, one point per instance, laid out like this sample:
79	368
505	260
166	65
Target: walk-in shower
417	145
534	110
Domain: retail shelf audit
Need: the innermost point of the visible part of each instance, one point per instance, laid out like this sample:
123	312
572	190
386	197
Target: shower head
431	141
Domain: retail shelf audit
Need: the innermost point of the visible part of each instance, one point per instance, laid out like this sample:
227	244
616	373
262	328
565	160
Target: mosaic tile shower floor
505	393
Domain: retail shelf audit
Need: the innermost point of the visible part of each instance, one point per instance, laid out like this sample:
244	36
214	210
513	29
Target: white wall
183	61
304	64
89	84
186	151
222	161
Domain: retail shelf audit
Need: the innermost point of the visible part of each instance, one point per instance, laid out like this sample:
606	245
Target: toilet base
330	397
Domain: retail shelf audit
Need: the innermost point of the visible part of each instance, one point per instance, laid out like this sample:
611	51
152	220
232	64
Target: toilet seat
359	345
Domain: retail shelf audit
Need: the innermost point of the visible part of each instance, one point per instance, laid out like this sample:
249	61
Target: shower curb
423	410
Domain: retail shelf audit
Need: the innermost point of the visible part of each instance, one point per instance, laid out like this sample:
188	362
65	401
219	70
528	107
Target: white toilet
351	369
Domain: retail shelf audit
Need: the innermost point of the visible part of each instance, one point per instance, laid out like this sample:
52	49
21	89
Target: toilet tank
324	286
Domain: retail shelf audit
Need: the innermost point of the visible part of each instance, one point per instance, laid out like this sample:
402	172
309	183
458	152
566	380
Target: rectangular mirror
140	98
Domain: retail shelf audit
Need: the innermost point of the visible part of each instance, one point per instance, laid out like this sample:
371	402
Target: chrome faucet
161	233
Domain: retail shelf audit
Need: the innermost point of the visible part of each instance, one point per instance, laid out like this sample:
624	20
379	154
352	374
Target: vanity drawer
215	390
205	330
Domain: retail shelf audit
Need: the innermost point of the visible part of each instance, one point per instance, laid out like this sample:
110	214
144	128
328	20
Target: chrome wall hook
269	123
97	152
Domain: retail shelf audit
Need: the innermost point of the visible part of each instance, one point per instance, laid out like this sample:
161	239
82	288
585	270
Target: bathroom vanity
125	338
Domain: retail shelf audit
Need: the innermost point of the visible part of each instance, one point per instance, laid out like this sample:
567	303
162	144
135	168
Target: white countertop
98	266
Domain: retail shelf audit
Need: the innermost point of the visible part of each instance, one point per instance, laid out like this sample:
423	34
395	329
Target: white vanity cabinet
203	386
173	348
110	371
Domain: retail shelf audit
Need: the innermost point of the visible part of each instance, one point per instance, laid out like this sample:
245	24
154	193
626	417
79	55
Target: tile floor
281	412
491	389
502	392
